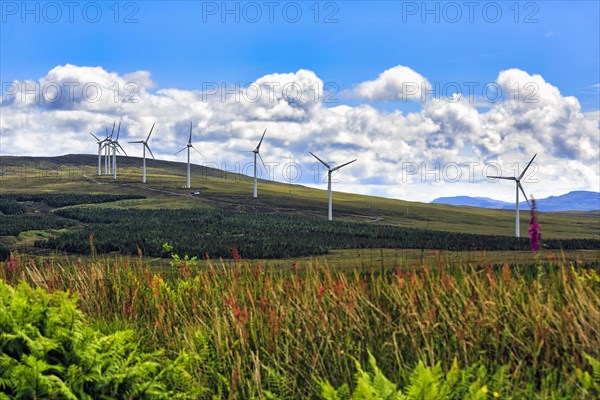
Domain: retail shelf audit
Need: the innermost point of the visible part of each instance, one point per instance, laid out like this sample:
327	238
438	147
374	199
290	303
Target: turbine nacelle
329	167
145	142
189	144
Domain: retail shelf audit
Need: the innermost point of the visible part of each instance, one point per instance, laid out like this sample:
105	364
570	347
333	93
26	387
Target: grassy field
374	259
510	332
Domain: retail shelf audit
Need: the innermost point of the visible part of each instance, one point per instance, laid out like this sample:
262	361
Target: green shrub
11	207
472	383
47	350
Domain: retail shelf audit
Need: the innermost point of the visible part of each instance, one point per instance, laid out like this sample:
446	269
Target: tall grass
259	331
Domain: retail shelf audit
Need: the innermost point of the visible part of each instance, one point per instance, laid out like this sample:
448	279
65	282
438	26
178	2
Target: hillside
232	192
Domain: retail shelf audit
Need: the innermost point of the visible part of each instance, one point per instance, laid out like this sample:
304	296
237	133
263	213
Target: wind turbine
115	144
256	152
518	187
329	171
188	147
145	146
100	146
107	147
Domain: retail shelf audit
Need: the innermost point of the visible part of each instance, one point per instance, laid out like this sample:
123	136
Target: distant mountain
579	200
481	202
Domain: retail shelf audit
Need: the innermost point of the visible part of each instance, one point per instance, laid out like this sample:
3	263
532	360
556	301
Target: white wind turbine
256	152
115	144
188	147
145	146
107	147
518	187
329	171
100	146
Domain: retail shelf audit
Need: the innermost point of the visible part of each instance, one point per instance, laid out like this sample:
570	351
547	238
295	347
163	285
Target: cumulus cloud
412	155
397	83
536	117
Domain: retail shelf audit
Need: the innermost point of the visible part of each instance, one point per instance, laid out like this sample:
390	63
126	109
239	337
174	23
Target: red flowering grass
244	319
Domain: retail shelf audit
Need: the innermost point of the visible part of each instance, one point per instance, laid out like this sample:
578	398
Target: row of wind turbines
108	144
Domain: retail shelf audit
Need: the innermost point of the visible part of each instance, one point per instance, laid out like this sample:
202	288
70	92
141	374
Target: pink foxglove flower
534	229
11	263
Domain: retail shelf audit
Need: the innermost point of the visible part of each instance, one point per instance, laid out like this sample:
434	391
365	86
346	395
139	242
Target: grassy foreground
252	332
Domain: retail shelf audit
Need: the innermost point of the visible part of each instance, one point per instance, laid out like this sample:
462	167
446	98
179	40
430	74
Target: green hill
233	192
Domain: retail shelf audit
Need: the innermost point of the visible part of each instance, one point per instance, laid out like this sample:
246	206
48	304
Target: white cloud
593	116
397	83
412	155
536	117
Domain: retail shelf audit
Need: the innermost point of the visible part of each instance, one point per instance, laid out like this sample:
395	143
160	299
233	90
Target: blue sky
346	44
185	43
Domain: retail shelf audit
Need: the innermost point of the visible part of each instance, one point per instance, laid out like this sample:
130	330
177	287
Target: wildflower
11	263
534	229
484	389
496	394
236	255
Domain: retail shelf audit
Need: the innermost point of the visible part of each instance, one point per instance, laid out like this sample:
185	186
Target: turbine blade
150	132
148	147
523	191
510	178
198	151
261	139
121	147
137	141
190	140
322	162
180	151
525	170
119	130
262	161
343	165
95	137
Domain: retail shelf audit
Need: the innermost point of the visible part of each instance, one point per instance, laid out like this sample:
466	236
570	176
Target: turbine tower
518	187
329	171
256	152
115	144
100	146
107	147
188	147
145	146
